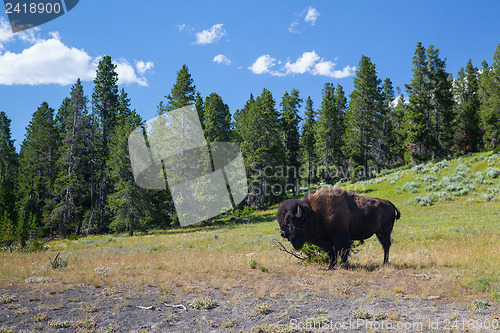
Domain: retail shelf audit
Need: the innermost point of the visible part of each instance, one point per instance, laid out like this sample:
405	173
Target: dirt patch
84	308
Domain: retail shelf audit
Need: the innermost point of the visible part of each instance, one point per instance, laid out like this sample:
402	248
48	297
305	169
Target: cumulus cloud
142	66
126	73
308	62
326	68
222	59
312	15
50	61
263	65
303	64
211	35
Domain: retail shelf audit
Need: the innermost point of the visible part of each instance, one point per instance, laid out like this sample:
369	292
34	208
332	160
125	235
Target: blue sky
233	48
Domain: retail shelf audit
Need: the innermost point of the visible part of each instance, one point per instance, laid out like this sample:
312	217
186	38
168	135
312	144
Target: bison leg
332	259
344	255
385	240
342	245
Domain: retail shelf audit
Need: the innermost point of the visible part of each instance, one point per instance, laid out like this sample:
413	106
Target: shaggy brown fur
332	218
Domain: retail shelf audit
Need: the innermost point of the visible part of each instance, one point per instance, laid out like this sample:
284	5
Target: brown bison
332	218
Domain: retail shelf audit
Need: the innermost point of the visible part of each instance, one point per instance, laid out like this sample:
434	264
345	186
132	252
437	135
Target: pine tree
241	122
128	203
387	139
398	150
468	136
183	92
105	108
60	117
258	125
364	119
7	230
441	103
37	167
71	187
199	103
290	119
216	119
420	140
490	101
307	141
330	129
8	168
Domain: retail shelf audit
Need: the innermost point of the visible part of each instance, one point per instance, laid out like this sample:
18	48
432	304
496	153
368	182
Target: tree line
73	174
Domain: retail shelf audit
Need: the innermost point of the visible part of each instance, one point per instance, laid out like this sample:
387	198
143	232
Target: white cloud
211	35
49	61
308	62
142	66
126	74
312	15
293	27
263	65
396	100
222	59
326	68
46	62
6	34
303	64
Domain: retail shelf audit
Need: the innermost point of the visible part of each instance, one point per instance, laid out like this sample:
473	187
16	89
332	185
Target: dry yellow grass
451	250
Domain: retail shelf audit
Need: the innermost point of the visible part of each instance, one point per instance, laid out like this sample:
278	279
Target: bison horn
299	212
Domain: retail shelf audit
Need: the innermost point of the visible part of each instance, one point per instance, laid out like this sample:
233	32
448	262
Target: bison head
292	217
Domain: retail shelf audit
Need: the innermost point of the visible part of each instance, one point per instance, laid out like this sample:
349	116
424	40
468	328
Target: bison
332	218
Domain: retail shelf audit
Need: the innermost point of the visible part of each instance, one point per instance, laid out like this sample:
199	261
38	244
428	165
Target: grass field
446	244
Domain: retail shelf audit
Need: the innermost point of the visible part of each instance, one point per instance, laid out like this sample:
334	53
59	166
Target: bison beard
332	218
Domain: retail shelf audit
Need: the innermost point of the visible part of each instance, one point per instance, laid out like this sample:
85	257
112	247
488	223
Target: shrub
60	324
488	197
481	304
253	263
442	164
204	303
58	262
420	168
314	254
411	187
263	308
433	187
432	198
428	179
392	179
423	201
462	169
492	172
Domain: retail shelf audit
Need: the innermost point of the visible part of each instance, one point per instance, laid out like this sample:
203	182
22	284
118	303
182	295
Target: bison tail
398	213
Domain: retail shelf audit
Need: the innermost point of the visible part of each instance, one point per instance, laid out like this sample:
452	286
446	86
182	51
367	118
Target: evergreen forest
72	175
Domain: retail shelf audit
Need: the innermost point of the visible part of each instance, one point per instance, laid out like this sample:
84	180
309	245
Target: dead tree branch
282	247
